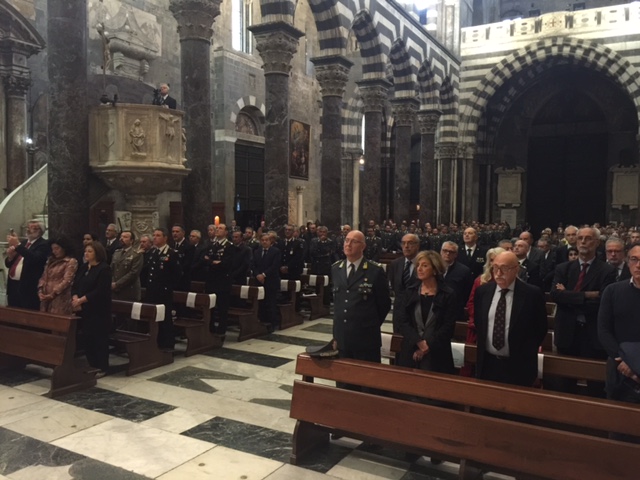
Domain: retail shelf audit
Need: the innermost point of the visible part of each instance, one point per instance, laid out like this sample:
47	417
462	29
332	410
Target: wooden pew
199	338
460	335
27	336
316	299
142	347
288	315
245	317
542	446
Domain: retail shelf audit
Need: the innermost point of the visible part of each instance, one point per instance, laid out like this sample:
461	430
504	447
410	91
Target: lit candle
216	220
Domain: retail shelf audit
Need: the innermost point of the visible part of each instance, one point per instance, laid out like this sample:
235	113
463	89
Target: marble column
68	168
469	178
332	74
16	88
277	42
447	154
300	206
374	97
404	111
428	120
195	19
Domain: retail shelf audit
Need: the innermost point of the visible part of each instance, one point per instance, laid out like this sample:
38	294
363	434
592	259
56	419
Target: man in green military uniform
361	302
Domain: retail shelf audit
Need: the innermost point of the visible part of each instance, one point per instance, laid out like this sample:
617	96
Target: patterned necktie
583	272
500	320
406	273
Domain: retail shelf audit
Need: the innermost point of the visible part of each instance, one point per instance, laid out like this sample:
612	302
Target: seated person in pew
511	321
91	301
427	318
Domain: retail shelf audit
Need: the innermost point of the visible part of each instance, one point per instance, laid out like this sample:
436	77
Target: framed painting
299	135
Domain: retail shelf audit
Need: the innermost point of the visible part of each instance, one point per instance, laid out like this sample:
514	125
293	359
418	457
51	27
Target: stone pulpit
138	150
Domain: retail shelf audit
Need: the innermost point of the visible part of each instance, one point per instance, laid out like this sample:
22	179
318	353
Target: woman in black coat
91	300
427	318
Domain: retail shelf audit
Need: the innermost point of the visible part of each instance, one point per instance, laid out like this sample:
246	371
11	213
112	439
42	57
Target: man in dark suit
217	262
511	321
266	272
362	302
570	239
163	99
197	273
292	259
457	276
25	261
401	272
548	263
521	249
614	249
144	249
535	254
577	289
472	255
185	252
111	242
164	272
242	258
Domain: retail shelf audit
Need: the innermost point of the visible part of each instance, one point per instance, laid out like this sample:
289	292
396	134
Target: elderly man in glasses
511	321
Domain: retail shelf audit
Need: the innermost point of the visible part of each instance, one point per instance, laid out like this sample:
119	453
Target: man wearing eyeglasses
457	276
619	332
511	321
614	248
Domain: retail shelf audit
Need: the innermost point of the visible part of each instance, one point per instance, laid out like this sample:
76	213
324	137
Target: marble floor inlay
116	404
192	378
320	328
13	378
303	342
248	357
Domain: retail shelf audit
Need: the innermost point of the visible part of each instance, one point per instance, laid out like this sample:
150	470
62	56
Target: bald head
505	269
354	245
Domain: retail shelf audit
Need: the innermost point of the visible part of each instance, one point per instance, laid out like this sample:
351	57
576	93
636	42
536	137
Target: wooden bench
562	436
460	335
316	299
288	315
141	341
27	336
199	338
246	317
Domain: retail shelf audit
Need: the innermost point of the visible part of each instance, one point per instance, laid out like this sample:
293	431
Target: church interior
330	111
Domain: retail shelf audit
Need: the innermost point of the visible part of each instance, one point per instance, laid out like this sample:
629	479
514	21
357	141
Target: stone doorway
249	173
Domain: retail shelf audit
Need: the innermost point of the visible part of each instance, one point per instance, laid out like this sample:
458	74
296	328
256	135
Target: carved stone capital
16	86
195	18
447	150
332	74
404	111
428	120
374	94
277	43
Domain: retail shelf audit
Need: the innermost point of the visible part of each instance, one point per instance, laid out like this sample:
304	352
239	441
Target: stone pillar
277	42
470	178
299	206
447	154
68	169
332	74
428	172
195	19
374	96
348	179
16	89
358	168
144	213
404	110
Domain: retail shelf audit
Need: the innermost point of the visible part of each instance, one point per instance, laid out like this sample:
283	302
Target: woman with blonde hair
427	317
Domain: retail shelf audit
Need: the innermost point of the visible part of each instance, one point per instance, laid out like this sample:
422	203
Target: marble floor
222	416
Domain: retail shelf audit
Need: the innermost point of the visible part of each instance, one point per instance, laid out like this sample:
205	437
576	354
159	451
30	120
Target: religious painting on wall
299	135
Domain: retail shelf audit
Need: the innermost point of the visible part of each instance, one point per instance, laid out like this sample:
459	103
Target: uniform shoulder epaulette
336	263
375	263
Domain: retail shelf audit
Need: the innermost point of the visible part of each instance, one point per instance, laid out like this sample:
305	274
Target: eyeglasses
449	252
633	260
502	269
